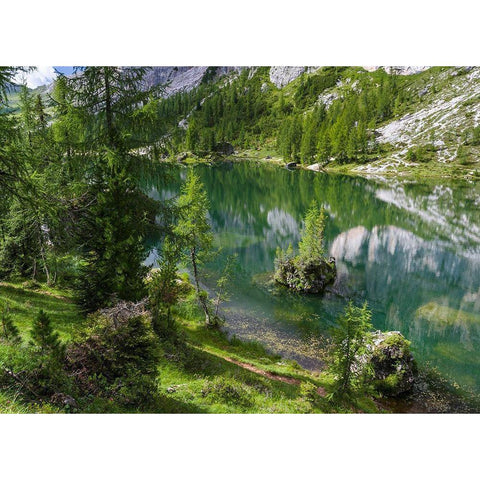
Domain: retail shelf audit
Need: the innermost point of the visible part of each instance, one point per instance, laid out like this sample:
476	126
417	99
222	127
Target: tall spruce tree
110	107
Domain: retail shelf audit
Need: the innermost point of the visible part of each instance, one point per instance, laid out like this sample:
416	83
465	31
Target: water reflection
411	250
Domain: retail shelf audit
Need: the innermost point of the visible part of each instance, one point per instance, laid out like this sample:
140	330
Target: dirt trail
272	376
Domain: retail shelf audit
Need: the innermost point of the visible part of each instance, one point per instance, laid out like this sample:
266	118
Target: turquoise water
411	249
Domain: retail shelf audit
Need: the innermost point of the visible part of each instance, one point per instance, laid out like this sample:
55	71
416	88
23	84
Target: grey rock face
182	79
281	76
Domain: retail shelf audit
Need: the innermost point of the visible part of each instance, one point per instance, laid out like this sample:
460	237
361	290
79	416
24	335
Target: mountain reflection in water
412	250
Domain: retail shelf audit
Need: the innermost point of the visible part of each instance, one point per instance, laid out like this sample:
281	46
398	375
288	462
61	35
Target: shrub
229	391
308	391
116	359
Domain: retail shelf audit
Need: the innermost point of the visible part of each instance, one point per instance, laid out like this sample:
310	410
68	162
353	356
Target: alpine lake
410	248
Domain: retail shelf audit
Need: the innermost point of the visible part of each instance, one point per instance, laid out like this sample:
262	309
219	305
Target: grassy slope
24	303
196	373
202	371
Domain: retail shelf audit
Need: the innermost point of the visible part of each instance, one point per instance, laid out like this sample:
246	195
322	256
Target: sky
42	75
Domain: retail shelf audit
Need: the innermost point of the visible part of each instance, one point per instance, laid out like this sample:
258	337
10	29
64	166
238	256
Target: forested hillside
376	121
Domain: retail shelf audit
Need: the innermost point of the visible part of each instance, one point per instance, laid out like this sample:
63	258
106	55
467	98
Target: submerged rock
306	276
394	368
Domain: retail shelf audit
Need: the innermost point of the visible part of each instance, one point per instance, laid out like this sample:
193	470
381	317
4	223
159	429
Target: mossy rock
306	276
394	368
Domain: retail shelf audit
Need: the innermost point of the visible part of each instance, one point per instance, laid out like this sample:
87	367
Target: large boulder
306	276
224	148
393	365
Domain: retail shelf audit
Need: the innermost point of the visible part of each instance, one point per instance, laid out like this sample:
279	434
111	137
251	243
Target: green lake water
411	249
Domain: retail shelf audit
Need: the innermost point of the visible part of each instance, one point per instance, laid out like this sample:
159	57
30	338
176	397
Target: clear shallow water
412	250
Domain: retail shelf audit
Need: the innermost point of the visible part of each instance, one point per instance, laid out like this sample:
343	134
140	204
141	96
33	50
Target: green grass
196	371
25	299
197	374
200	371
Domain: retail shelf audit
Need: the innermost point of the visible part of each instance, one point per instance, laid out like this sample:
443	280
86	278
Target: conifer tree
164	288
8	329
44	336
194	232
350	339
110	106
309	140
311	242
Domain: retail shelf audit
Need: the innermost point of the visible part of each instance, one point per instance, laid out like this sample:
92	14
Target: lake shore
381	168
229	375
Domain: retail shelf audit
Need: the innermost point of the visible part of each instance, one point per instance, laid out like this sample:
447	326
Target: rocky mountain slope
443	107
184	79
438	111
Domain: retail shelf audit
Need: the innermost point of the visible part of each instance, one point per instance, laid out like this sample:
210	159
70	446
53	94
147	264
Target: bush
116	358
308	391
229	391
422	153
33	374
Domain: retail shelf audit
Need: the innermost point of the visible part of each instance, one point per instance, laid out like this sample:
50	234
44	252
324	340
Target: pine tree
194	232
44	337
350	339
8	329
311	243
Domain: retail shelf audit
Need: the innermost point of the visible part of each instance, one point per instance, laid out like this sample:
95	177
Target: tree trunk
201	297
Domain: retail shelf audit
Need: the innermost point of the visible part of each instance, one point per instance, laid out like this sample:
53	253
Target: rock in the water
315	167
394	367
292	165
311	276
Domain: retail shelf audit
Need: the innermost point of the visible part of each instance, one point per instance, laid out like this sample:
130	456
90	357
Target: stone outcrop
405	70
305	276
182	79
393	365
281	76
